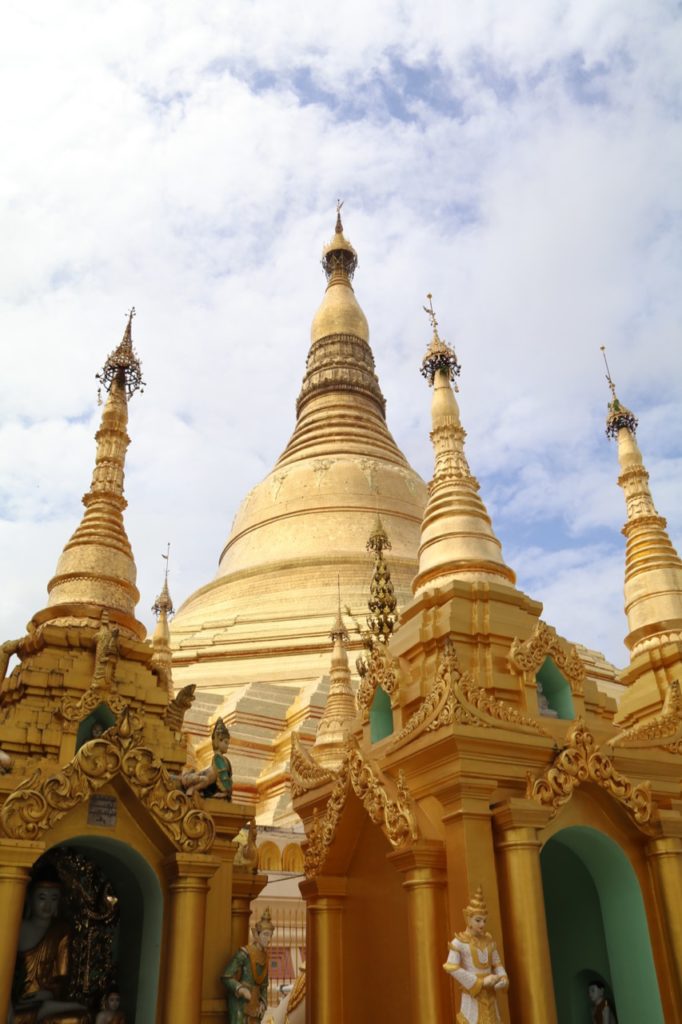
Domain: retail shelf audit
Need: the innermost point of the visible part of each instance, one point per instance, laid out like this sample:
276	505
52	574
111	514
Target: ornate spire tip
619	416
439	355
123	365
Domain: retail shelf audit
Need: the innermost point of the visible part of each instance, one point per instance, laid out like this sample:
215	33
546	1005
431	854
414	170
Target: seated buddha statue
39	991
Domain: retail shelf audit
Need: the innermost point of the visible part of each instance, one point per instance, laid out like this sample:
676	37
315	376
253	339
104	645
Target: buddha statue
246	976
474	963
40	990
216	780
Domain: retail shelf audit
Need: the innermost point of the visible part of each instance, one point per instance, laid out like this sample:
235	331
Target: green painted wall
137	947
597	926
380	716
556	689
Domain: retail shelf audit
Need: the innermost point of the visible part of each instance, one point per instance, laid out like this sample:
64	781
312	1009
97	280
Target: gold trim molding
528	655
580	761
663	730
381	671
454	699
42	800
396	817
306	773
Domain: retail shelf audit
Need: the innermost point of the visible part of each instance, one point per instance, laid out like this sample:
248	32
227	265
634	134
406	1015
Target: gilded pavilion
469	745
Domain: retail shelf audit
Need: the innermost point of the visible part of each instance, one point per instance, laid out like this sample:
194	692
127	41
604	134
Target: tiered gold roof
264	616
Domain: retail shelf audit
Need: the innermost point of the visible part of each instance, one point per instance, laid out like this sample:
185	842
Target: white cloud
519	161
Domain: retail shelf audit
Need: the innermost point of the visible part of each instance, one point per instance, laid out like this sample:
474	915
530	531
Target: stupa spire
457	538
339	713
96	571
653	569
163	609
340	406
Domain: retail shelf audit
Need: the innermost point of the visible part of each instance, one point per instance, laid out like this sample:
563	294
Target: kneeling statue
473	961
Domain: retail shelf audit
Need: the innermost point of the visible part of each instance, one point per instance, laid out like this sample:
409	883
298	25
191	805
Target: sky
519	161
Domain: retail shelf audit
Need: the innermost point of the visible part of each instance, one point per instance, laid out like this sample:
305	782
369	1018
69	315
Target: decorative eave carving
395	816
579	761
70	709
454	699
528	656
174	715
306	773
663	730
42	800
381	670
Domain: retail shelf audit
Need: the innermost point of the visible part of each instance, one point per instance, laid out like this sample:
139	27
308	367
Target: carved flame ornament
395	816
529	655
454	699
42	800
381	670
579	762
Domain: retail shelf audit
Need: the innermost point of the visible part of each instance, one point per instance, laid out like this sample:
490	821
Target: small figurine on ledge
246	976
216	780
111	1012
602	1011
475	964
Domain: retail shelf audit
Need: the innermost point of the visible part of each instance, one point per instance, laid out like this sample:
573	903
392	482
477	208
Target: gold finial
164	602
431	314
339	256
338	630
619	416
439	355
122	365
339	225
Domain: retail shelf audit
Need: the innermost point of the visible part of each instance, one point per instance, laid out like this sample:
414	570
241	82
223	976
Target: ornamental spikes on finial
439	355
339	225
123	365
382	602
618	415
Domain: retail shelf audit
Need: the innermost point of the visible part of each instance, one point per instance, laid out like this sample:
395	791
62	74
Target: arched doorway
597	928
137	945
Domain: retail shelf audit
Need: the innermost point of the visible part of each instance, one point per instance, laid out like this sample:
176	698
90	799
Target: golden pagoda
92	809
255	639
501	770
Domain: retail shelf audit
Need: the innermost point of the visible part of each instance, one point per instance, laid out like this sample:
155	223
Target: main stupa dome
266	615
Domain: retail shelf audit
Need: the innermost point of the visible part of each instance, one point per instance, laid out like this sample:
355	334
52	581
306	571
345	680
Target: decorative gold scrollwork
41	801
663	730
395	816
579	762
454	699
544	642
381	670
305	772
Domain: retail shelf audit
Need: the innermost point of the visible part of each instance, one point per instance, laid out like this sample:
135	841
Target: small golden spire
96	571
164	604
339	225
457	538
338	717
382	603
653	569
161	639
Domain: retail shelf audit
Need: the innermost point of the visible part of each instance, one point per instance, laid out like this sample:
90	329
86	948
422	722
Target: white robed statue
474	963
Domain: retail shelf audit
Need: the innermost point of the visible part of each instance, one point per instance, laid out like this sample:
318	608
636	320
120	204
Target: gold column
188	888
531	989
425	881
325	898
16	860
665	859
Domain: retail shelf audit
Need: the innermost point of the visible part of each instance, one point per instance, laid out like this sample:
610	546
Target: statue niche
64	964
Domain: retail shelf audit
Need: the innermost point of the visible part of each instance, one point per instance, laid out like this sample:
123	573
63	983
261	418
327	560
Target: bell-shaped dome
265	616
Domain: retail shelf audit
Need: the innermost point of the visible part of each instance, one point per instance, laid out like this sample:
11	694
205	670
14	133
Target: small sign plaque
102	811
